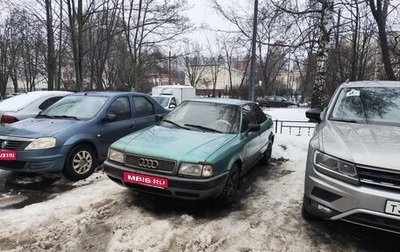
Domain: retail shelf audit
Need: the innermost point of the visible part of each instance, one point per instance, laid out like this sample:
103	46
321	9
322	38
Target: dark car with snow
353	163
274	101
73	135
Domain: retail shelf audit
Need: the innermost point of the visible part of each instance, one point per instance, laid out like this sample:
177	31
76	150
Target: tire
228	195
80	163
266	156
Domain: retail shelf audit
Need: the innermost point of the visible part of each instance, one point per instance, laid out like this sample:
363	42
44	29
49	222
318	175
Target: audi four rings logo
148	163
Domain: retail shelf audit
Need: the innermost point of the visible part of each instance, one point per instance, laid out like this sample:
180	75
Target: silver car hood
371	145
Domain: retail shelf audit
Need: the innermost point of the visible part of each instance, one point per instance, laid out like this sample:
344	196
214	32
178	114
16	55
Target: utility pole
253	53
169	68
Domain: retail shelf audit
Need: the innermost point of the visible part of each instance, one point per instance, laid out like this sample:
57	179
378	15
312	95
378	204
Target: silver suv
353	162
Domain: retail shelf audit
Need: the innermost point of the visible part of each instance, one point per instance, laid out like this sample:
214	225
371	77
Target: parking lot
97	215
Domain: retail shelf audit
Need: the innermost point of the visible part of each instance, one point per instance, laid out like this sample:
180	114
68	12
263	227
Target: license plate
392	207
8	155
136	178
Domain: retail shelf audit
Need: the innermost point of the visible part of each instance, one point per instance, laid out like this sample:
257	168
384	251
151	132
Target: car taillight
6	119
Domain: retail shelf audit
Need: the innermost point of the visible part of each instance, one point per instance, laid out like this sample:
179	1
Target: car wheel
267	155
228	195
80	163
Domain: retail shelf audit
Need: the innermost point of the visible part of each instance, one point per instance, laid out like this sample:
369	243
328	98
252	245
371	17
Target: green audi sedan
198	151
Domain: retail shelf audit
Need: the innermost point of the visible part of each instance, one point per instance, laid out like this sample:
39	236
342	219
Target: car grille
164	166
13	145
12	165
374	221
379	177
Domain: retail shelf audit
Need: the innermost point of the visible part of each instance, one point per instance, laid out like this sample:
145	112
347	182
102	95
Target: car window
173	101
48	102
120	108
260	115
143	106
248	117
162	100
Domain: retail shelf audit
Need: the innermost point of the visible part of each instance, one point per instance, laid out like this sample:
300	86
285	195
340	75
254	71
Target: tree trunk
318	99
380	12
51	67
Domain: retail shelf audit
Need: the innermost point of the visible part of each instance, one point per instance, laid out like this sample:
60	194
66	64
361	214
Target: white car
27	105
167	101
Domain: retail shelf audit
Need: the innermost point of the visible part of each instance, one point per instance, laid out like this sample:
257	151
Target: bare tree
100	34
194	65
379	10
148	24
10	46
4	59
231	48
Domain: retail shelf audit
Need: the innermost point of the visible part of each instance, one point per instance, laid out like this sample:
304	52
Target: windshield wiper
344	120
174	123
44	116
68	117
203	128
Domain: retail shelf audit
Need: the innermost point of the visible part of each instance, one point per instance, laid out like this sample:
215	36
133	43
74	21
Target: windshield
79	107
205	116
162	100
373	105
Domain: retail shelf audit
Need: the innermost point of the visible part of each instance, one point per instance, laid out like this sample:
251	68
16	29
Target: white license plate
392	207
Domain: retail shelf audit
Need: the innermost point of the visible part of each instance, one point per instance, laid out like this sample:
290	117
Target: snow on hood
372	145
34	128
175	144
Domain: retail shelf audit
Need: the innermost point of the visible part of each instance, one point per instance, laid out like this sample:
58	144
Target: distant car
73	135
200	150
167	101
12	95
353	162
273	101
26	105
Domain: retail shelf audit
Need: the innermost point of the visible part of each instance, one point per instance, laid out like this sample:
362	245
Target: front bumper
178	187
364	205
36	161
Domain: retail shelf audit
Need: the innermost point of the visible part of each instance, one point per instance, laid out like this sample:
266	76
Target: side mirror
253	128
110	117
314	114
159	118
172	106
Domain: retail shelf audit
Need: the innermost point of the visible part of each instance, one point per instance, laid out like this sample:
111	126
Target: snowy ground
98	215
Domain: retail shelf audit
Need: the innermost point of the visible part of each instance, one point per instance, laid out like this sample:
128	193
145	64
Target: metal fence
294	127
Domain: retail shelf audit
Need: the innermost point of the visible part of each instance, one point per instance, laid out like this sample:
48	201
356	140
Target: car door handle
132	126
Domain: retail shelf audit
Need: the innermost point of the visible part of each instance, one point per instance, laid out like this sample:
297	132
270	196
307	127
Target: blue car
73	135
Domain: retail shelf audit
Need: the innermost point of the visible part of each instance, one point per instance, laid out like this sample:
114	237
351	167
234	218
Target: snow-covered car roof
18	102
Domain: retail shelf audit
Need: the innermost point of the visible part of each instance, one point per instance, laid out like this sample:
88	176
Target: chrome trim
8	138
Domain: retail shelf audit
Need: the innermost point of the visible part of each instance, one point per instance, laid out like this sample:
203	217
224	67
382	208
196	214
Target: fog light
321	208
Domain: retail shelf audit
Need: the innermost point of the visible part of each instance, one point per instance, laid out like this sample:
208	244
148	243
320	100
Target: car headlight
196	170
335	167
115	156
41	143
